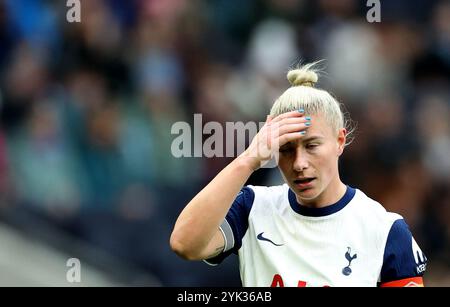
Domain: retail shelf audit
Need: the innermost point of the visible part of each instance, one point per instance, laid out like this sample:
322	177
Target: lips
304	182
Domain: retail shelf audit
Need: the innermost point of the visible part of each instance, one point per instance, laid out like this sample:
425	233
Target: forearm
201	218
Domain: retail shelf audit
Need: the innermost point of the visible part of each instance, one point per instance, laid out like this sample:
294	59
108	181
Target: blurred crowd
86	111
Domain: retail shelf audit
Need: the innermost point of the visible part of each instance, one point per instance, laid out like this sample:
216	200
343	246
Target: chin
308	194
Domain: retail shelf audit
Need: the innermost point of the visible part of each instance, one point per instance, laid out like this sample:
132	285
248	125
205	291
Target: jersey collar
324	211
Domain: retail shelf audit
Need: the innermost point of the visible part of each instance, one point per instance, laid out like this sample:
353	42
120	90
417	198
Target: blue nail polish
302	132
308	117
307	124
301	110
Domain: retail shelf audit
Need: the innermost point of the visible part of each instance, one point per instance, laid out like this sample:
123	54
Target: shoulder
373	210
268	191
372	219
236	222
251	194
269	197
250	199
403	260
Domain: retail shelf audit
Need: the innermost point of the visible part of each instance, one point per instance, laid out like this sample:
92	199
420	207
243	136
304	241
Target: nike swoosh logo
260	237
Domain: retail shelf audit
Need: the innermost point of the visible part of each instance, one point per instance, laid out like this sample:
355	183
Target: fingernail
308	117
308	124
301	110
302	132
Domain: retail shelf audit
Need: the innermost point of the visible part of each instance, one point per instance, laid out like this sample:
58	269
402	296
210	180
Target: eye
311	145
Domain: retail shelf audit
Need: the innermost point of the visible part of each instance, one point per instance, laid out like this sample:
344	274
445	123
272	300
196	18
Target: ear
341	139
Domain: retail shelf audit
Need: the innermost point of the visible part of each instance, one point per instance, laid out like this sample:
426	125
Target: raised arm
196	234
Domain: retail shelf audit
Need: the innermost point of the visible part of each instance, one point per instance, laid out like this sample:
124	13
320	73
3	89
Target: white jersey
353	242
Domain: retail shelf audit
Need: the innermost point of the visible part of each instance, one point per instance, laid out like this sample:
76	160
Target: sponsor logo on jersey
419	257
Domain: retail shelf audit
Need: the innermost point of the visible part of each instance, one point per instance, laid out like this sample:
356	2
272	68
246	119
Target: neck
332	194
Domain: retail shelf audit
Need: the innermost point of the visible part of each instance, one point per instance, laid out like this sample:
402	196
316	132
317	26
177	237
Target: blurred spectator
44	166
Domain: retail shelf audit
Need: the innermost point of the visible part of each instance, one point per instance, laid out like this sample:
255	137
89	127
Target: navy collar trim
324	211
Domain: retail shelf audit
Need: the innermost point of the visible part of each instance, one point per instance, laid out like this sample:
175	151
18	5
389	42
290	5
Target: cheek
331	165
326	162
283	164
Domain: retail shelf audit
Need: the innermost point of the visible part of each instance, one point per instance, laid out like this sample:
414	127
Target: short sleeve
404	263
235	224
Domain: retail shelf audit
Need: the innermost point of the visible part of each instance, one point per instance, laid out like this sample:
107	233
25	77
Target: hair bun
303	76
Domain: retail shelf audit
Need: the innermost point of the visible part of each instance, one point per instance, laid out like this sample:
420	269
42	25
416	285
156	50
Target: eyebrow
308	139
312	138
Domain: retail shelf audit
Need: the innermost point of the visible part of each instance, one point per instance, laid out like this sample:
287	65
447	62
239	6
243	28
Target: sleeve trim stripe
228	236
210	263
407	282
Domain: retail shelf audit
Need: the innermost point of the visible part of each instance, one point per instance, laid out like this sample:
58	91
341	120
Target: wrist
247	161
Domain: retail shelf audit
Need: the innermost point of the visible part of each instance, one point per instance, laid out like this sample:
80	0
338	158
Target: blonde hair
303	95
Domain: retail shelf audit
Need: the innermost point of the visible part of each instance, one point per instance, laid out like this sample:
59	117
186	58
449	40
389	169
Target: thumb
268	119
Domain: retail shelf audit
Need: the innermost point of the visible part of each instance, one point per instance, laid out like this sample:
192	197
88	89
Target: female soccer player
311	231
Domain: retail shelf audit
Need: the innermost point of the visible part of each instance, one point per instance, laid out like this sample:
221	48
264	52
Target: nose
301	160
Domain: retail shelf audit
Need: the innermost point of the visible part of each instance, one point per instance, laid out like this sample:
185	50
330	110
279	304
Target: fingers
292	114
289	137
293	128
288	127
293	120
277	136
290	124
279	130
